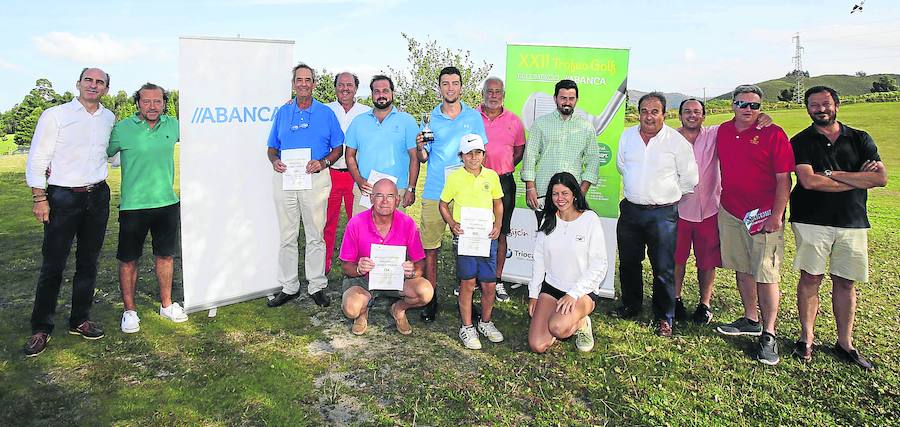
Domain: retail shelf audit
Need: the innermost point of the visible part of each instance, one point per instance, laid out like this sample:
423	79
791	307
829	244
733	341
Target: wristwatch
327	162
411	190
827	172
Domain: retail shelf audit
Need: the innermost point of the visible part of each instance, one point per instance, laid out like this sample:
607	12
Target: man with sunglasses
836	164
303	124
755	165
383	224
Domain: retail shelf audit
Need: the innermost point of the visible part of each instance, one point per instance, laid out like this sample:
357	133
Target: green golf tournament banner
601	75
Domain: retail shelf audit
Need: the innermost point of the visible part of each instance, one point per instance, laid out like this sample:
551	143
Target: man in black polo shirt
836	164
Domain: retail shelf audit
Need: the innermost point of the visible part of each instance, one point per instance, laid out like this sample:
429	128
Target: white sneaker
469	337
130	322
490	331
584	336
502	296
174	313
515	285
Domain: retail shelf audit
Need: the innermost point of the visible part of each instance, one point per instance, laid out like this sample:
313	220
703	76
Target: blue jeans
653	230
73	216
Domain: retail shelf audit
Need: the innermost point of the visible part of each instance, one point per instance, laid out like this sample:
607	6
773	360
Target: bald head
384	186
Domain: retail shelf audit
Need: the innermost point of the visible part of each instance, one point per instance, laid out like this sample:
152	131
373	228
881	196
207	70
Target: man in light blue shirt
383	140
305	123
450	121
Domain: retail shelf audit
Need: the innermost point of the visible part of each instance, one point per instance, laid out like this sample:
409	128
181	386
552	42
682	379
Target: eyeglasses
389	197
745	104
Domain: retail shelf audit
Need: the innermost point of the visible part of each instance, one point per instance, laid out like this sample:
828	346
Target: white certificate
374	176
295	177
476	224
387	275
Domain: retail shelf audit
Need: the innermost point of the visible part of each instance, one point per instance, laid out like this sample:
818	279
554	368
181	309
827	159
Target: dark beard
827	122
565	110
382	104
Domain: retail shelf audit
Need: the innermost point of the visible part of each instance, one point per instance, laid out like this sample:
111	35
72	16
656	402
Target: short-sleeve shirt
704	201
845	209
505	133
749	161
470	191
444	151
148	161
383	146
315	127
361	233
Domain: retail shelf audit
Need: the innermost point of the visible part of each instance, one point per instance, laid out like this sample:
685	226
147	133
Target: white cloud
690	54
97	48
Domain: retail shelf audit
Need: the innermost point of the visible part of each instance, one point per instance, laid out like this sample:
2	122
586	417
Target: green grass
7	145
300	365
842	83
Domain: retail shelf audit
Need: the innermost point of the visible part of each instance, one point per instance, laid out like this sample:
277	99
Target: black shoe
321	299
429	313
702	315
852	356
623	312
281	298
680	311
803	351
88	330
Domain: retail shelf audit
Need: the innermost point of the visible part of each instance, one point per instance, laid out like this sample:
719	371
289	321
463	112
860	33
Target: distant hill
673	99
843	84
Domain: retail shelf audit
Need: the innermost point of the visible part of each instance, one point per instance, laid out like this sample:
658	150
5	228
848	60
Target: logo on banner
233	114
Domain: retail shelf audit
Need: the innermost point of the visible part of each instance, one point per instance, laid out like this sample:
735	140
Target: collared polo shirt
75	141
444	151
315	127
505	133
556	145
361	234
345	118
148	161
704	201
383	146
658	172
470	191
749	161
845	209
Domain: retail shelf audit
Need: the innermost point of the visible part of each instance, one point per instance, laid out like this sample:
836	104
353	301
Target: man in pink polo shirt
697	220
756	169
507	136
383	224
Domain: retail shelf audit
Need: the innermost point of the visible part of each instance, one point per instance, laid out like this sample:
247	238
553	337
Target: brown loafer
36	344
360	324
664	329
401	320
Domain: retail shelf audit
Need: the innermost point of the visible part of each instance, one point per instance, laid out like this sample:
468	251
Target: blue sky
679	46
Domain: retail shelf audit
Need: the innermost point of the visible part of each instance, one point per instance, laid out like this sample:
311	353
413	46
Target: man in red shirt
756	165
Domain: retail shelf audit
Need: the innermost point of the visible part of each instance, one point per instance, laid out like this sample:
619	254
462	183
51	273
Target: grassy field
299	365
7	145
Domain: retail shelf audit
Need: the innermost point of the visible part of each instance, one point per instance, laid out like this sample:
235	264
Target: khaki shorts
848	249
433	225
759	255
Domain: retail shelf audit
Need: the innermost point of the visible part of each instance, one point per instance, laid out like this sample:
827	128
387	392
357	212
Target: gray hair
492	79
746	89
303	65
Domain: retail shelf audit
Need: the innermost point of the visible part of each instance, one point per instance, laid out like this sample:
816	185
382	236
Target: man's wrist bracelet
40	200
530	189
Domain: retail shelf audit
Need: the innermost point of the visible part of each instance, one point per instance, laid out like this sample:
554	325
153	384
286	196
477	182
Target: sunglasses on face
745	104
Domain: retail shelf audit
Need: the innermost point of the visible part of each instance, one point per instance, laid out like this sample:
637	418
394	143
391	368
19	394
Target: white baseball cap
471	142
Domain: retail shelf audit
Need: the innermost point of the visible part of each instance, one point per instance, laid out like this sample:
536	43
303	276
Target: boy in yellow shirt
474	186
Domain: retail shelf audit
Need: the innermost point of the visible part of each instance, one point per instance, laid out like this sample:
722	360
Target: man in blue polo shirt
305	123
383	140
450	120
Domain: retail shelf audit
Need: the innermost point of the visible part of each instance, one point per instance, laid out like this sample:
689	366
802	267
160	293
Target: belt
85	188
504	175
341	169
649	207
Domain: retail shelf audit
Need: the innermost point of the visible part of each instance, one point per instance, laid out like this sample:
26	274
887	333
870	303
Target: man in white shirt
72	203
658	167
346	109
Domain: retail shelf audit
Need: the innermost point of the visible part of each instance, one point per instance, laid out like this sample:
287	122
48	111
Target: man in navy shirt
305	124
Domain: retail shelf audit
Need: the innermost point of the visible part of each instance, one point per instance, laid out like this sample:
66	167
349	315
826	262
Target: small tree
417	89
786	95
885	84
860	74
324	91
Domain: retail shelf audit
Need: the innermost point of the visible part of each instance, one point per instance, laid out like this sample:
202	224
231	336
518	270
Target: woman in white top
569	265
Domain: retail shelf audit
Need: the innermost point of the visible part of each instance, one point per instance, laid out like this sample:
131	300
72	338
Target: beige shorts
847	248
433	225
759	255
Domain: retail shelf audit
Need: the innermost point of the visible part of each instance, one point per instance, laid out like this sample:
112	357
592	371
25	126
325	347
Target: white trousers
310	206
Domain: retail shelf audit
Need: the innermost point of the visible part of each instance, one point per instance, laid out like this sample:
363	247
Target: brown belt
84	189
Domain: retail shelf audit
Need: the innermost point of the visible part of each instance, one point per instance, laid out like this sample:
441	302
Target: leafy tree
417	88
860	74
885	84
25	127
324	91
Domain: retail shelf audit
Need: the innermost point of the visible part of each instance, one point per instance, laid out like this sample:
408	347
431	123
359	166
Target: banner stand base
228	301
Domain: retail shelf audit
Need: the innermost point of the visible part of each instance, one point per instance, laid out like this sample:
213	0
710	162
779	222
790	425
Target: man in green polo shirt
146	142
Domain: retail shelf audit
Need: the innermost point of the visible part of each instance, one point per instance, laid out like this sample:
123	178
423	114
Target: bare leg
165	269
355	302
501	255
769	297
539	338
416	293
488	294
746	285
431	256
808	304
679	279
564	325
705	278
843	302
127	281
466	289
